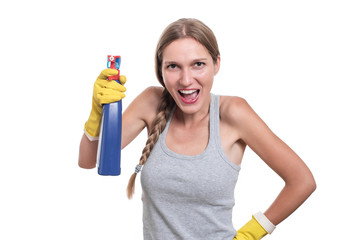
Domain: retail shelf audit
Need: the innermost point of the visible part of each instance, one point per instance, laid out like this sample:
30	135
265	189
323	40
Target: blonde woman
196	143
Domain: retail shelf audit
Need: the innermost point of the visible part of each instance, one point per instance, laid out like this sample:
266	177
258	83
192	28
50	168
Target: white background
295	62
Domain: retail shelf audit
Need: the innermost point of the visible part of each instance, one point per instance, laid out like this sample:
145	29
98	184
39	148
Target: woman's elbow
309	184
303	183
86	160
86	165
87	153
312	185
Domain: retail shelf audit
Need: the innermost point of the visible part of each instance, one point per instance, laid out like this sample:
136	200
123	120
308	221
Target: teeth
187	91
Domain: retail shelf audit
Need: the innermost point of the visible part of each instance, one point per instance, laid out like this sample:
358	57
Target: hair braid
158	126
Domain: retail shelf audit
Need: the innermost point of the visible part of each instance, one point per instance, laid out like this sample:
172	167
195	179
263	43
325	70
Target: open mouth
189	95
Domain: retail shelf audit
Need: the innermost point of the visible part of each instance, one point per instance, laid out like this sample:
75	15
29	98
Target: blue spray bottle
109	148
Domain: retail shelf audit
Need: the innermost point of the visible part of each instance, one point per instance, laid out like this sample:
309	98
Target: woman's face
188	72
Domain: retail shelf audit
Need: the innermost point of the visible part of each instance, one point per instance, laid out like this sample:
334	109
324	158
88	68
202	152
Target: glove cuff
92	125
264	222
91	138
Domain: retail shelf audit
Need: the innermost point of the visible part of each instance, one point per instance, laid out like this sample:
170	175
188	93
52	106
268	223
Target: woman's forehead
185	49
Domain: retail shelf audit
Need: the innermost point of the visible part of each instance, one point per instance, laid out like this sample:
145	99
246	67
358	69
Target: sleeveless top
189	197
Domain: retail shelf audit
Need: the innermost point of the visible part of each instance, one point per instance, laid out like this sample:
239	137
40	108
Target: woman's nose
186	77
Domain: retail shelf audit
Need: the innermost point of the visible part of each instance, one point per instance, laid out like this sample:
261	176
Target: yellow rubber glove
251	231
105	92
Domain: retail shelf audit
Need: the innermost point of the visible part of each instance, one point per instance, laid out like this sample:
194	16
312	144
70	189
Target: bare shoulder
146	103
152	96
234	110
238	115
140	113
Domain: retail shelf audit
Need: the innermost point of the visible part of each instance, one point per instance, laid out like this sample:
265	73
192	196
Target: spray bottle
109	148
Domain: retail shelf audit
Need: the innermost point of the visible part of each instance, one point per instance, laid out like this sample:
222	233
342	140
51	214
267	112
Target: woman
192	158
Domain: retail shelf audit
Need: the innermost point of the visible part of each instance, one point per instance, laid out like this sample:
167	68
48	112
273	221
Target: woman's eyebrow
169	62
200	59
194	60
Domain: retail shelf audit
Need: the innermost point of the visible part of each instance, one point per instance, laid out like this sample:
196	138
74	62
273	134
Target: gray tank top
189	197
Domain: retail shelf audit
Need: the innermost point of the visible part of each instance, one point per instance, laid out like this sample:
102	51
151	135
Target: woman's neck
193	119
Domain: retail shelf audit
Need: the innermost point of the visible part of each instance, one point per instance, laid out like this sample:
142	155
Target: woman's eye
171	66
199	64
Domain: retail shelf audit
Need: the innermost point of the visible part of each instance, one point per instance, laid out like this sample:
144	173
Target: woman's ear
217	65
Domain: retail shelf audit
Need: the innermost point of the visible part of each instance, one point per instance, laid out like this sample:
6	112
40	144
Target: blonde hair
182	28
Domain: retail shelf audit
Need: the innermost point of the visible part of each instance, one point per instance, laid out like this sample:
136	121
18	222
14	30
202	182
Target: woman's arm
299	181
138	115
87	152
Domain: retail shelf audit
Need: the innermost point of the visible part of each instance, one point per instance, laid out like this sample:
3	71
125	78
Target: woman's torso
190	196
